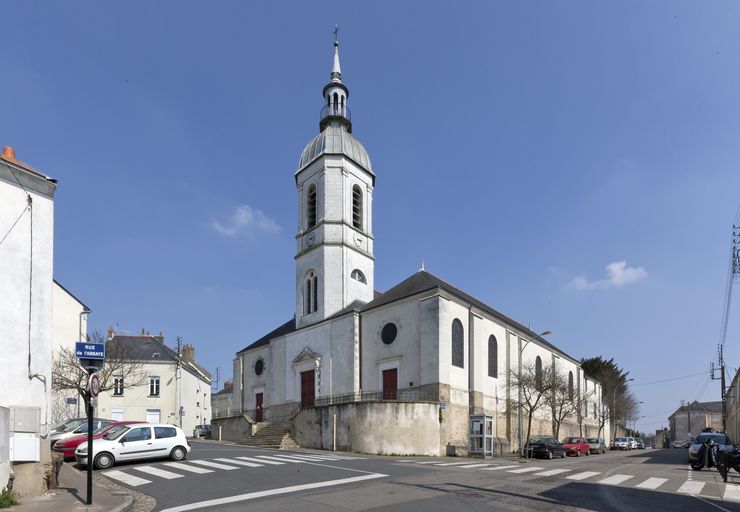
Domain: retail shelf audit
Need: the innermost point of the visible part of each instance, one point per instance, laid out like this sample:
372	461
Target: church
422	368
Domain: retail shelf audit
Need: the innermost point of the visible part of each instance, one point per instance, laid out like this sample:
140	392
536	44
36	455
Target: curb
126	505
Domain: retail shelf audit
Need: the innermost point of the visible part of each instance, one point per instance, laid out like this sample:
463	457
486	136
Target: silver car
718	437
596	445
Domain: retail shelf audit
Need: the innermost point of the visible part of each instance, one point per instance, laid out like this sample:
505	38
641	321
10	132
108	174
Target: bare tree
535	385
561	399
67	375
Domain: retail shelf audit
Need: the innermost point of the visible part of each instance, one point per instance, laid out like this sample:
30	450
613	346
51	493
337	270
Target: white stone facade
26	299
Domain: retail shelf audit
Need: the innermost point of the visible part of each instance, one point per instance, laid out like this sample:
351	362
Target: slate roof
419	282
711	407
151	348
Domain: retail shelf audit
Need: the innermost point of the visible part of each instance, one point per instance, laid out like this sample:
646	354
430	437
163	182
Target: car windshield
102	429
116	432
592	440
717	438
539	440
571	440
620	440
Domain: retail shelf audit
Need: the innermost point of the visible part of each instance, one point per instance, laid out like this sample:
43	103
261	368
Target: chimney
142	331
188	353
111	332
229	384
9	153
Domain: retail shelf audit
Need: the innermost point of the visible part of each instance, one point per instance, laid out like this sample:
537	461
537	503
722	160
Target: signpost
92	357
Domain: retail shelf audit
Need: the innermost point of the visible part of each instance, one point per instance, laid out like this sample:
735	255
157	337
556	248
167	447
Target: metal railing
401	395
233	412
333	110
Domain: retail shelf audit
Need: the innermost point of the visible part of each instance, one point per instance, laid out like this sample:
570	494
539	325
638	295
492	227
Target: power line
671	379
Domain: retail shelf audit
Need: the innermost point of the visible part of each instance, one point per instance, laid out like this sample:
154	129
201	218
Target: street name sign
86	350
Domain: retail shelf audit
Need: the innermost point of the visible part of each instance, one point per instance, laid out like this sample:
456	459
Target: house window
458	344
153	386
492	356
538	372
570	385
357	275
356	207
118	386
311	206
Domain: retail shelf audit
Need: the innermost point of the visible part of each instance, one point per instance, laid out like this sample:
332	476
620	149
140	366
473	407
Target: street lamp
521	415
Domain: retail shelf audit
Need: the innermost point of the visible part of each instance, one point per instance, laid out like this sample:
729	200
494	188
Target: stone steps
272	435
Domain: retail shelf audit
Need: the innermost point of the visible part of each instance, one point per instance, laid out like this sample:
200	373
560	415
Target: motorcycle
707	456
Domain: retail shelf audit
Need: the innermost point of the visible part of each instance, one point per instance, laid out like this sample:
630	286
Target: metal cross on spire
336	29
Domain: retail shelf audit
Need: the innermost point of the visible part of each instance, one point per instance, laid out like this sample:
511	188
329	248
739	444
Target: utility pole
178	378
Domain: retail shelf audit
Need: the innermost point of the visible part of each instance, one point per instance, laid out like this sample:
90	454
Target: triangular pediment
307	355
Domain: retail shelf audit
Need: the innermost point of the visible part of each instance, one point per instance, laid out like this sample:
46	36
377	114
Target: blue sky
573	164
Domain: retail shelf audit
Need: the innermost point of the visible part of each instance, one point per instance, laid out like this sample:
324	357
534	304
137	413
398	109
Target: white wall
18	263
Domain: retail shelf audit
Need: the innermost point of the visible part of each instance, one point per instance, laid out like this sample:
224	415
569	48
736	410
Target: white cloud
618	274
245	221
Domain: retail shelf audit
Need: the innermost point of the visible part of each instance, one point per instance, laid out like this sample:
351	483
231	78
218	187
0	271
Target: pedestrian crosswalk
131	475
729	491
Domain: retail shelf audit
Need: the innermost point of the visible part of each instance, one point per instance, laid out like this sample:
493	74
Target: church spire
335	110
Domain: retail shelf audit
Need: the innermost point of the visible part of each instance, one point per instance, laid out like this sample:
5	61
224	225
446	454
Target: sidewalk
71	496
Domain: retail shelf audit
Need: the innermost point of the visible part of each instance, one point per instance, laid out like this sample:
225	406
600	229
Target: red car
576	446
68	446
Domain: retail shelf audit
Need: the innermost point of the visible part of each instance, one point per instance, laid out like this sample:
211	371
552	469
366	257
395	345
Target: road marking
453	463
272	492
583	476
691	487
553	472
216	465
307	459
525	470
169	475
240	463
615	479
652	483
710	503
476	466
261	461
279	459
131	480
499	467
430	462
732	492
187	467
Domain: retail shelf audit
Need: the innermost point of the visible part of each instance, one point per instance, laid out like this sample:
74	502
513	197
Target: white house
176	389
69	316
422	368
26	254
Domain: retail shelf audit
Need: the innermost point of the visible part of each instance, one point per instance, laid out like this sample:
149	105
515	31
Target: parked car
68	446
639	444
632	443
135	442
203	431
596	445
621	443
80	429
70	424
545	447
576	446
718	437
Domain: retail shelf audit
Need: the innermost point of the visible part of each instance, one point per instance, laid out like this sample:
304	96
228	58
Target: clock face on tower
358	240
310	240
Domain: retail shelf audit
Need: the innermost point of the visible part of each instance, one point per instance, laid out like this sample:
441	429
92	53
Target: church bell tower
334	181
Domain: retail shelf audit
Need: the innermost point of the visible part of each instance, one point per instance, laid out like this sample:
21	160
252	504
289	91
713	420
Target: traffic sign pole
89	447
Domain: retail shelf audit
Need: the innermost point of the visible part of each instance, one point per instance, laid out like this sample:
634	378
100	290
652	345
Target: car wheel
549	454
562	454
588	451
104	460
178	453
578	453
603	451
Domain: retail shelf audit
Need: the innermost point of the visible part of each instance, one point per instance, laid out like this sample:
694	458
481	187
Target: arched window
570	385
357	275
307	297
458	344
357	207
315	293
538	373
311	206
492	356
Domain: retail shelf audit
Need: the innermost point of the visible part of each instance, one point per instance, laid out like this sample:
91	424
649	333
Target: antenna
217	378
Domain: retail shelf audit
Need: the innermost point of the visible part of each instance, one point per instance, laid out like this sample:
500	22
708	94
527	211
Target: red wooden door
390	384
308	388
258	413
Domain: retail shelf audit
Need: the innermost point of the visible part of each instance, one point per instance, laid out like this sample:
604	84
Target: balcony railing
333	110
400	395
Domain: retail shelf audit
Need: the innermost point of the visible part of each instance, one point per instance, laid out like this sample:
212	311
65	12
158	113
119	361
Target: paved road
227	478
